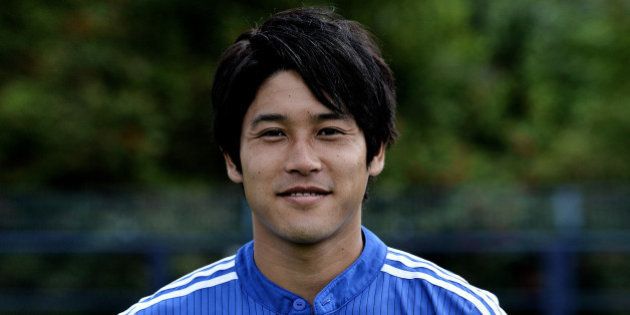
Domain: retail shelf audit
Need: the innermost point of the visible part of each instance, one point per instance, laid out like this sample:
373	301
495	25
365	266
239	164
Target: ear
378	162
233	173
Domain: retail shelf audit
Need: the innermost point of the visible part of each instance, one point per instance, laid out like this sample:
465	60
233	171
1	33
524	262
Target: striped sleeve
407	266
209	276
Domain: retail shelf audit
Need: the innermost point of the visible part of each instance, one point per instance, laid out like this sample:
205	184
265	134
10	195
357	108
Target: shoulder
214	275
438	281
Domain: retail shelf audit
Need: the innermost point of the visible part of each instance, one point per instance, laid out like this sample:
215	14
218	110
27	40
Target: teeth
303	194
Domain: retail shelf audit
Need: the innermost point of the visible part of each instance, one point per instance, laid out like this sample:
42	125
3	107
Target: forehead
285	93
282	82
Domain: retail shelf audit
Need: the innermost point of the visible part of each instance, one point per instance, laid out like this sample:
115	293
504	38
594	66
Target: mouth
304	191
304	196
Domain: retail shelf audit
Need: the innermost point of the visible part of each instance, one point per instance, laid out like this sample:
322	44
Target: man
304	110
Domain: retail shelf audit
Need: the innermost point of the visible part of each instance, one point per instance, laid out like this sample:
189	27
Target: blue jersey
381	281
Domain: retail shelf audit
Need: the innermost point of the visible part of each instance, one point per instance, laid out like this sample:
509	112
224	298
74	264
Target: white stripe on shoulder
422	260
494	299
400	256
178	293
437	282
205	271
206	267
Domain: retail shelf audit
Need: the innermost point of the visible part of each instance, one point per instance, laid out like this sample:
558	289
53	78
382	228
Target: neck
306	269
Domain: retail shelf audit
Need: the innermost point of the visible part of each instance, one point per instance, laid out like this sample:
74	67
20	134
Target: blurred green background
513	157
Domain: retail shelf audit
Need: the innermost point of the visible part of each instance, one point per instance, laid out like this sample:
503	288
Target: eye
272	133
327	132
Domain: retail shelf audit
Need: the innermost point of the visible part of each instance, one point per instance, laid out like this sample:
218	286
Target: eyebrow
279	117
268	118
331	116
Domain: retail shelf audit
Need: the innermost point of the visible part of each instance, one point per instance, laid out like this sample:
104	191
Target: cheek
352	168
258	165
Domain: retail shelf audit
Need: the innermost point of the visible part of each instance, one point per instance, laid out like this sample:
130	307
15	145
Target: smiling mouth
299	192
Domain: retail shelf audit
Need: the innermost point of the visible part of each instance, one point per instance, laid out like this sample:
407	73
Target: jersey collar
335	294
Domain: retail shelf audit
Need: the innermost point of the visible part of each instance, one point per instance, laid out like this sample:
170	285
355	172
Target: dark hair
337	59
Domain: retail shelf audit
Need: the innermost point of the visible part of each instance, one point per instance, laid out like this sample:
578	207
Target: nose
302	159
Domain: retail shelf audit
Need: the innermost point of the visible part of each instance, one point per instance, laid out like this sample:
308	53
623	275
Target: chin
305	235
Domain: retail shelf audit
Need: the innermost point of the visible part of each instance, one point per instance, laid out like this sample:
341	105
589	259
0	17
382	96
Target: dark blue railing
554	250
556	253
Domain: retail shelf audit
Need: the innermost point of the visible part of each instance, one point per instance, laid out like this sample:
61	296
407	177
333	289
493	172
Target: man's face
304	167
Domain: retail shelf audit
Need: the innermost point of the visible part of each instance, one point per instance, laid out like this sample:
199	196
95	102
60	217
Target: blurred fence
557	250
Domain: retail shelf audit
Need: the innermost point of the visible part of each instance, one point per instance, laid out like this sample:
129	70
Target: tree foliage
103	93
